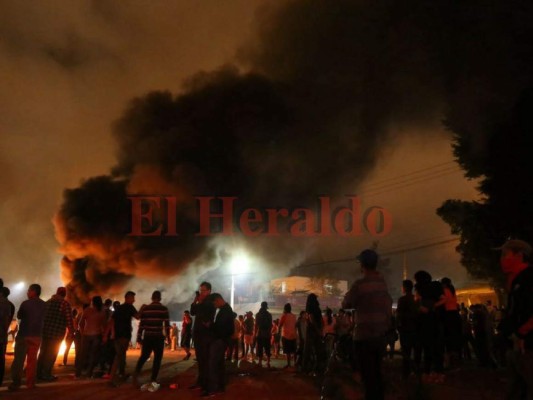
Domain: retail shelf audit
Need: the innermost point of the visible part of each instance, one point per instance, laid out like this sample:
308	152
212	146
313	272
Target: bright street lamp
239	264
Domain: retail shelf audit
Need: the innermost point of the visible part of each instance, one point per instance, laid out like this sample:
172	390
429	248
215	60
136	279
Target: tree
505	170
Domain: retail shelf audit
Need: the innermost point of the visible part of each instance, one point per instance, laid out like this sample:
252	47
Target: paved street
252	383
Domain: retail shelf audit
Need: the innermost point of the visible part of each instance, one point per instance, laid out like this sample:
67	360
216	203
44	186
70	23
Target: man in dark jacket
223	329
203	310
518	323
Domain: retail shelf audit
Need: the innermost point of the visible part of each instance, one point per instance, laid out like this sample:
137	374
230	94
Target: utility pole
404	266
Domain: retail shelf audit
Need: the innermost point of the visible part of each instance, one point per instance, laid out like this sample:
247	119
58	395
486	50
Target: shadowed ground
248	382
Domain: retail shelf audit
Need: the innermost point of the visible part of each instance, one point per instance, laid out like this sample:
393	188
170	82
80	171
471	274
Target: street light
239	265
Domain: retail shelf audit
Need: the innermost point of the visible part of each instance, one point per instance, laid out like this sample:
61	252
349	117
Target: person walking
153	330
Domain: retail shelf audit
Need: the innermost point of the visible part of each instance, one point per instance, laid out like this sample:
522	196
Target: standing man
287	325
153	329
57	319
263	333
518	323
222	331
372	302
406	316
121	328
203	310
31	316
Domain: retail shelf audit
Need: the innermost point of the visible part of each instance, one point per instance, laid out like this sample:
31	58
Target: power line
401	185
418	171
394	251
434	239
390	253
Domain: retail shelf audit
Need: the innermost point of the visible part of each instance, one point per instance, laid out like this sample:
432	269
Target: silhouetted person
223	328
6	316
204	312
518	323
121	333
57	320
263	332
154	328
31	316
406	314
186	334
371	300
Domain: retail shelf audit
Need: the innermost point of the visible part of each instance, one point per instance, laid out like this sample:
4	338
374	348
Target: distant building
295	289
477	293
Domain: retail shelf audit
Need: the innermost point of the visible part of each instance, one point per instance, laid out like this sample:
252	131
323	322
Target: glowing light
19	286
239	264
63	348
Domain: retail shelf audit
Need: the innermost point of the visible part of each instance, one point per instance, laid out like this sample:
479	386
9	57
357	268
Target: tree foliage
506	188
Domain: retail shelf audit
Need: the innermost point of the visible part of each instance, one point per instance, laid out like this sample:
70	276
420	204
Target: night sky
274	104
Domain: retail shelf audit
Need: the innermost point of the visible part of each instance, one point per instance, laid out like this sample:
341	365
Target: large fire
63	348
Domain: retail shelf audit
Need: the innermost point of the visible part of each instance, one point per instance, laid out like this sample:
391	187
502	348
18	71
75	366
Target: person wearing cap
57	319
154	328
518	323
263	333
370	298
31	315
121	327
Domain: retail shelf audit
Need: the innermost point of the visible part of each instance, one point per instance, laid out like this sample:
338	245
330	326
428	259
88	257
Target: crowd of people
436	334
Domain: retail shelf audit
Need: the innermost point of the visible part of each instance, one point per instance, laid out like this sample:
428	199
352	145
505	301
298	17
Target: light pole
239	265
232	299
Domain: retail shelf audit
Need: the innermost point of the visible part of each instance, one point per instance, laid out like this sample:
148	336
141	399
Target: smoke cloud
304	110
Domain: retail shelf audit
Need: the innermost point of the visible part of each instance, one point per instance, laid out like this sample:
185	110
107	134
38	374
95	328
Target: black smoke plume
304	111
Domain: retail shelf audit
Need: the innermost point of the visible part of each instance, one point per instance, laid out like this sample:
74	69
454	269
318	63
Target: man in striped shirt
372	302
154	327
